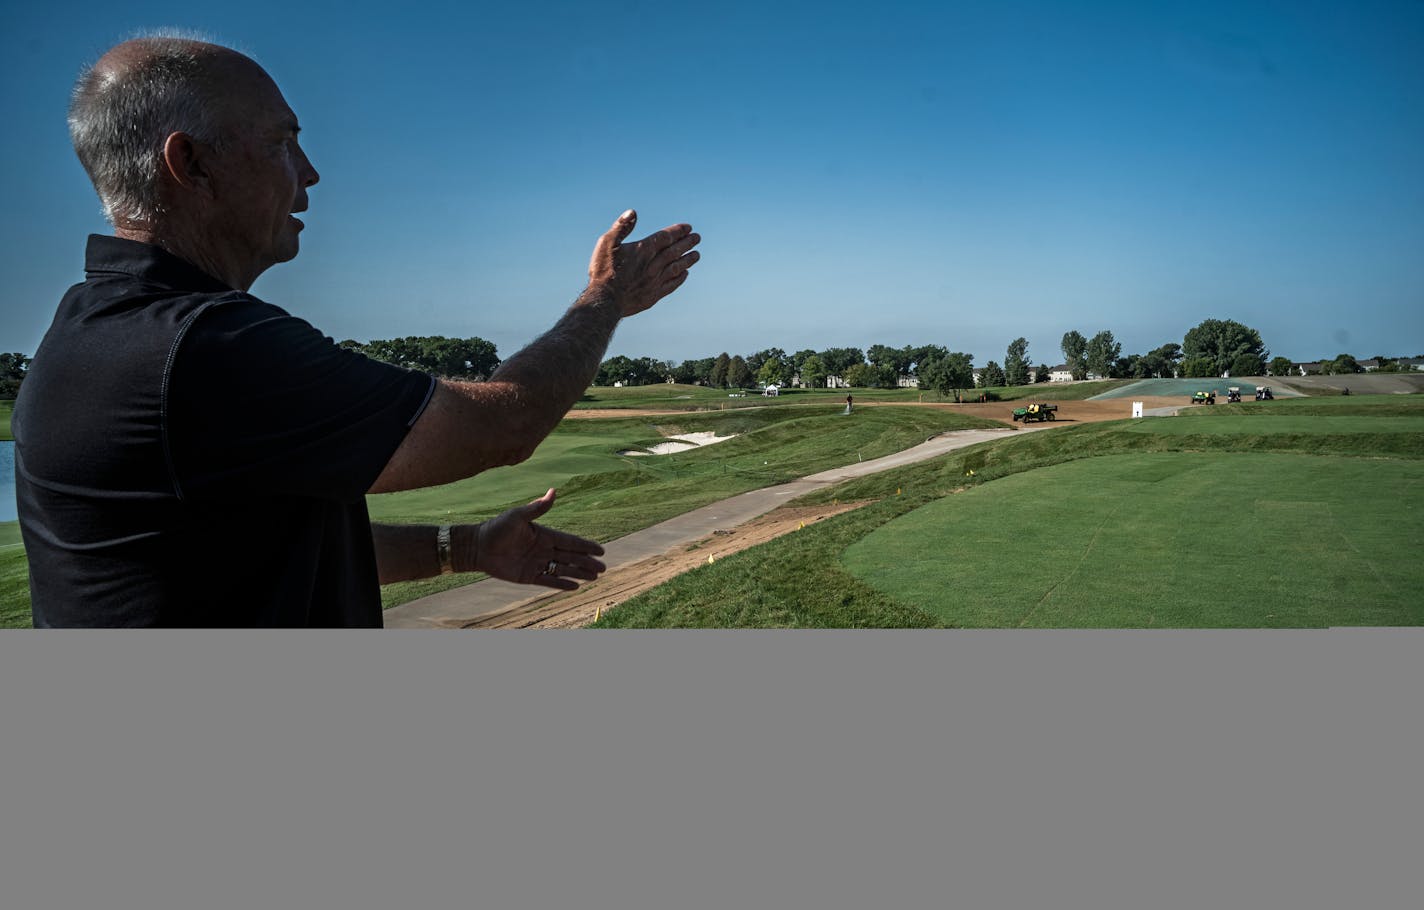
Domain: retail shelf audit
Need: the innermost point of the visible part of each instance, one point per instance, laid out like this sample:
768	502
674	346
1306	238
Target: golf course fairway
1167	540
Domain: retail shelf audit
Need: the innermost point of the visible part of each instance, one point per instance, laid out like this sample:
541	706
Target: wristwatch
442	549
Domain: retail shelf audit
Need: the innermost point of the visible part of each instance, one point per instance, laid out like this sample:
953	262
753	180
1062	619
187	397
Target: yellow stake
897	491
597	613
803	526
711	559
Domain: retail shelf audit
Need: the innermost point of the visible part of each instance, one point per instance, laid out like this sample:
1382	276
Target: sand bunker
680	443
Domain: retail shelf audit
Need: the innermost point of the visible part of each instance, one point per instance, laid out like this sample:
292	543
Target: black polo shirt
188	455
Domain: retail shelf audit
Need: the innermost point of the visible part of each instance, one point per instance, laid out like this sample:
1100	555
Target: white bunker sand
681	443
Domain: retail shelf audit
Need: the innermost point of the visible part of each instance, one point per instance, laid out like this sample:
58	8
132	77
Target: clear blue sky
898	173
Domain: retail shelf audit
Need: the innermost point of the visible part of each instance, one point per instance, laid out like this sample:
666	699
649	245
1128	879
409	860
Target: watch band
442	549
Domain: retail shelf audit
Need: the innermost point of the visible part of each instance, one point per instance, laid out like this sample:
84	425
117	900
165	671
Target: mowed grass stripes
1177	540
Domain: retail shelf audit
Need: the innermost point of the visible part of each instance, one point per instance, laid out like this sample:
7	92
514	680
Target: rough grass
798	580
6	409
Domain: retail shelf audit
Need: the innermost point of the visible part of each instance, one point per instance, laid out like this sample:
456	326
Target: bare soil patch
576	609
1069	412
607	413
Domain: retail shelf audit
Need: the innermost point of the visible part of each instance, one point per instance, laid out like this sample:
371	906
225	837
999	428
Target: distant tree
933	375
772	372
838	360
813	372
859	375
1280	366
961	369
1199	367
1042	374
992	376
1101	353
896	360
717	378
13	367
1222	341
738	375
944	374
1133	366
614	370
1247	364
1162	362
1343	364
453	358
1074	346
755	361
1016	362
925	352
885	376
632	371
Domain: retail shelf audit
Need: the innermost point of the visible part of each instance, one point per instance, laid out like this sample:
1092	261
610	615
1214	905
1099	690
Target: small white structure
771	391
1137	409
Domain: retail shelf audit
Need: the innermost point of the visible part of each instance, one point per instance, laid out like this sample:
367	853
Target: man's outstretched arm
469	427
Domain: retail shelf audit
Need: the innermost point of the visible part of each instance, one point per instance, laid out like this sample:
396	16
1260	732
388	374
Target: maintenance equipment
1036	412
1204	397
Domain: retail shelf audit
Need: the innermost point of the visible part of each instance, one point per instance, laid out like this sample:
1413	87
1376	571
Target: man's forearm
409	552
553	371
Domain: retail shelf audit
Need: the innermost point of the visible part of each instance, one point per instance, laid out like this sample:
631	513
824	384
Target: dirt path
579	608
1069	412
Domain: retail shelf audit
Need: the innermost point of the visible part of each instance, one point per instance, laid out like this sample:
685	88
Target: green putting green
1173	540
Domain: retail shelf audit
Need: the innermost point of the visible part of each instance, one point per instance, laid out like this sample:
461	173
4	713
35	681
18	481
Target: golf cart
1233	395
1263	393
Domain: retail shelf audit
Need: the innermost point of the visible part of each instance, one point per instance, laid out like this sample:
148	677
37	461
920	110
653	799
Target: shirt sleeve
258	402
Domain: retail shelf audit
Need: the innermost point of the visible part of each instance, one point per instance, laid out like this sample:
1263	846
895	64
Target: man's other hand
641	273
513	548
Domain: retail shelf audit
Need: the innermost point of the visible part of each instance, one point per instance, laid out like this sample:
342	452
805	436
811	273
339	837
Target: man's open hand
512	547
641	273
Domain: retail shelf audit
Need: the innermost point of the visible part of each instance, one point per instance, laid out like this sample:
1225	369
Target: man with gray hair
188	454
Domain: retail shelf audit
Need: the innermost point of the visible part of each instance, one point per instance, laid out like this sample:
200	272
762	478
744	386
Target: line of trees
471	359
1210	349
1214	347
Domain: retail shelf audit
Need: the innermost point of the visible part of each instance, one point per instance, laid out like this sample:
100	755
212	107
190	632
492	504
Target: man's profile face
261	173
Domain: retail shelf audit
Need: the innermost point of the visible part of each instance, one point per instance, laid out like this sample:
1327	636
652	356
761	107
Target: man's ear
186	163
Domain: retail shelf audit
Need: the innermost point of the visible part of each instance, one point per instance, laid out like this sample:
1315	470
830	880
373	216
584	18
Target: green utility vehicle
1036	412
1204	397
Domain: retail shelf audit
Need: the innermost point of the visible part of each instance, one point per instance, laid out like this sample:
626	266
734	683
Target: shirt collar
144	260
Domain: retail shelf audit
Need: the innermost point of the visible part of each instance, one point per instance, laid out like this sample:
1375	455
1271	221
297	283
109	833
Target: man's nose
309	174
